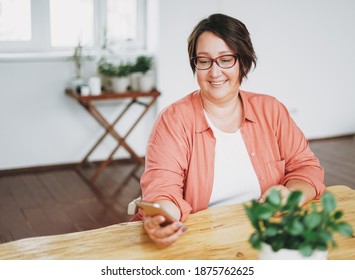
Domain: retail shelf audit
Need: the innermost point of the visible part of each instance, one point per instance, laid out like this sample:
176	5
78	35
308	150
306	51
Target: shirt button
243	130
261	179
252	154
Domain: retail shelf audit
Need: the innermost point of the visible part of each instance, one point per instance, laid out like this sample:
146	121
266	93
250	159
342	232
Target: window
12	29
120	13
59	25
71	21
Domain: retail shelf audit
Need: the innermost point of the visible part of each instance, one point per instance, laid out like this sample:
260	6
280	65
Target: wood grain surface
215	233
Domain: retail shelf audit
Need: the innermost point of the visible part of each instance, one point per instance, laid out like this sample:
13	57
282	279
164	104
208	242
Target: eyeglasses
223	61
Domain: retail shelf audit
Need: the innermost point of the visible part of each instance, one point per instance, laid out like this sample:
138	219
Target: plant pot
134	77
106	82
95	85
266	253
146	83
120	84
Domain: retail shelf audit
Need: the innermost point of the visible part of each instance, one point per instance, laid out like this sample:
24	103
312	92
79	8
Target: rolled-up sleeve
300	161
167	161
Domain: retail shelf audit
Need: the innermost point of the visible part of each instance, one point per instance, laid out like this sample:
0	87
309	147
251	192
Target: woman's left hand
284	191
308	191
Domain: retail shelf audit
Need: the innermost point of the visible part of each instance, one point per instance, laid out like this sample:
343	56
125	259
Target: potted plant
120	81
141	78
304	232
78	58
106	70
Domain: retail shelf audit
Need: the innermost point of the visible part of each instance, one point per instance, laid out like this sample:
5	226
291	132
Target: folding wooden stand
88	102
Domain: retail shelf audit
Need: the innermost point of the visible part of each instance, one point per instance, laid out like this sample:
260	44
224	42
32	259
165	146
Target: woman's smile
217	83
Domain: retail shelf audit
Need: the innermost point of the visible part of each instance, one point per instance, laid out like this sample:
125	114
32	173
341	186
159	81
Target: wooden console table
89	103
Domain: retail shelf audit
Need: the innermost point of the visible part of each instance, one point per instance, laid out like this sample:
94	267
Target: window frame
40	22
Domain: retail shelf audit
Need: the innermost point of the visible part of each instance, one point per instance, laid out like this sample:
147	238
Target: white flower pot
134	77
266	253
95	85
106	82
146	83
120	84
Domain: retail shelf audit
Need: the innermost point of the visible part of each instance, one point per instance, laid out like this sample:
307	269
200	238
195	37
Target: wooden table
90	104
215	233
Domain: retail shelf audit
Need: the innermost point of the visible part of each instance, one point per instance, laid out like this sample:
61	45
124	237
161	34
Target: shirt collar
201	122
248	111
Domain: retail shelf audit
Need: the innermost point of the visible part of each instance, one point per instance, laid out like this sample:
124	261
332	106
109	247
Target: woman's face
217	84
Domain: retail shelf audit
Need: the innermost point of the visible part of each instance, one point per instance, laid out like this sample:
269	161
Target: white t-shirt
235	180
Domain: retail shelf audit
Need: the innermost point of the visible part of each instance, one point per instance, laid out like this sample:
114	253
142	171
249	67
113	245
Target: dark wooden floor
337	156
55	202
60	201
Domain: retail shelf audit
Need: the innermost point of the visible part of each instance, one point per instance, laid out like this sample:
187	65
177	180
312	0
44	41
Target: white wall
40	125
306	59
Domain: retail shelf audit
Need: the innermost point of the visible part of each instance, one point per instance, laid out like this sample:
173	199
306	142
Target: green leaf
295	228
321	247
312	220
255	240
264	211
271	230
293	200
328	202
277	244
311	235
274	197
325	237
306	250
338	214
344	229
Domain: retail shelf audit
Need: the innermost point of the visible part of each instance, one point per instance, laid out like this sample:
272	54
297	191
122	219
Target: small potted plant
120	81
141	78
288	231
106	70
78	58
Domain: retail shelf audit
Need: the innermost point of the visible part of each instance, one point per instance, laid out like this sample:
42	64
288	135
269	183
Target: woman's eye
203	61
225	60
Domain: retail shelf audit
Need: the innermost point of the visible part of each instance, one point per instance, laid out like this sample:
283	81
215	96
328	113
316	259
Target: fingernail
184	229
178	225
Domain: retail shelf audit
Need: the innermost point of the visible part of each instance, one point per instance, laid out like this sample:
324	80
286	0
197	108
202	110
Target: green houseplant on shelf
282	228
120	81
142	77
78	57
106	70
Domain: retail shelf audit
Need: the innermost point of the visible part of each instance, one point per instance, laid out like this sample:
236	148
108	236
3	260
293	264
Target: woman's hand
308	191
163	235
284	192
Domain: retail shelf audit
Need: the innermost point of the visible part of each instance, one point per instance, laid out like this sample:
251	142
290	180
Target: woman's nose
215	70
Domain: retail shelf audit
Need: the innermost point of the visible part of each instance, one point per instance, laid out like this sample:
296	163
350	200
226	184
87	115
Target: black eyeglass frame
193	59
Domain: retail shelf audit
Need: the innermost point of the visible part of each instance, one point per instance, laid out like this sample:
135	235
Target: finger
168	230
168	240
153	222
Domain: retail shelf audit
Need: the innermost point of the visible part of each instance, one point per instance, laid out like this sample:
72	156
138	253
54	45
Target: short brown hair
231	31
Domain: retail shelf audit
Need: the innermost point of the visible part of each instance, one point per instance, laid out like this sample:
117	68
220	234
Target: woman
221	145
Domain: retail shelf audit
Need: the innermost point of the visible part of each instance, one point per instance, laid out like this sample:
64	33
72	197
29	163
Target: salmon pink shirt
180	152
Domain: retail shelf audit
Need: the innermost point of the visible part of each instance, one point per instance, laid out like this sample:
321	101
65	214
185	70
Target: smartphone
153	209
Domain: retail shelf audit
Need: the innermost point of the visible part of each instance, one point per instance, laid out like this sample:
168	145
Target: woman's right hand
163	236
